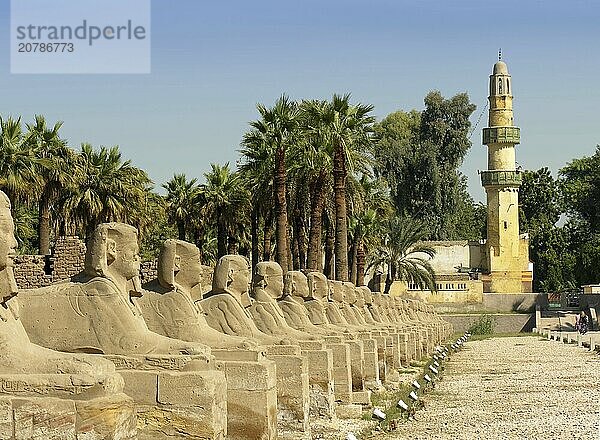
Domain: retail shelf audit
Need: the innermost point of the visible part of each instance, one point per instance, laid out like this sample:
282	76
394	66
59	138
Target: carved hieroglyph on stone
96	312
44	393
168	309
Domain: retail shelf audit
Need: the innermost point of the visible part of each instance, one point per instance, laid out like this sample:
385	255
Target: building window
505	225
507	85
500	86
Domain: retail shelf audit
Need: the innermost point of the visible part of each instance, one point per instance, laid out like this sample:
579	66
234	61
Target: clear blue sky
213	61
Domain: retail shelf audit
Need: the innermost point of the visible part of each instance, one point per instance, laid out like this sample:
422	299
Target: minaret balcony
501	135
501	178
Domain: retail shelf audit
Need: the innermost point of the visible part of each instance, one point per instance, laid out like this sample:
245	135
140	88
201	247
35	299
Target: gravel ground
512	388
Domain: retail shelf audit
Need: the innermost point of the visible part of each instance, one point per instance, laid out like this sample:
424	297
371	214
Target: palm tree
369	206
360	228
182	196
404	255
226	200
256	169
278	129
18	163
312	166
350	129
106	189
55	170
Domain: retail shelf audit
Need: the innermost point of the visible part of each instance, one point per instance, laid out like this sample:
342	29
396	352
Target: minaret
504	250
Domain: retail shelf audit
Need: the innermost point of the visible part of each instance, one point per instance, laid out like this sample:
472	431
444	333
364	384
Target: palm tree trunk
290	258
181	230
360	264
281	224
316	224
341	226
353	260
199	238
329	247
301	239
389	279
267	238
295	250
255	254
44	224
232	245
221	236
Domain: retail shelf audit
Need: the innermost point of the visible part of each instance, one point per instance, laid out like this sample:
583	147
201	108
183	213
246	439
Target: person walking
582	323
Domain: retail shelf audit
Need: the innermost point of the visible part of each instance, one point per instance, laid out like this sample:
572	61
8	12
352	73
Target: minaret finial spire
500	54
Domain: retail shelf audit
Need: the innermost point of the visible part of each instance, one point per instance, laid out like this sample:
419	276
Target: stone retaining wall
67	259
505	323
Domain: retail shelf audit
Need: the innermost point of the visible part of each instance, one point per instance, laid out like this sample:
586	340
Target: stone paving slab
513	388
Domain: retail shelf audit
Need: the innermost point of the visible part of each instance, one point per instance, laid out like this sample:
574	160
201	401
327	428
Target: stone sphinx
227	304
306	307
167	303
44	392
168	309
268	290
227	310
99	306
96	312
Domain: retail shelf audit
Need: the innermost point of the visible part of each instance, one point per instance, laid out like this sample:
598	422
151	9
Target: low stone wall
505	323
148	271
35	271
498	303
30	271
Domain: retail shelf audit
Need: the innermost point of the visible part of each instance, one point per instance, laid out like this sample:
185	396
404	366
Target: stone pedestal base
293	392
251	399
371	363
178	404
111	417
357	364
342	376
320	379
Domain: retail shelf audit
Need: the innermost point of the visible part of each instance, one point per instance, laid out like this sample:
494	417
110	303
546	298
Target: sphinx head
318	287
366	294
296	284
179	264
336	290
113	251
232	276
378	299
360	300
8	246
268	275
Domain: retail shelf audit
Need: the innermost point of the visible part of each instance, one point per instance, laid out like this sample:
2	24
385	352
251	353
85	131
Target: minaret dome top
500	68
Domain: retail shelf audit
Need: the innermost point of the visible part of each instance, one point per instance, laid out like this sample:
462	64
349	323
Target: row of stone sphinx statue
102	356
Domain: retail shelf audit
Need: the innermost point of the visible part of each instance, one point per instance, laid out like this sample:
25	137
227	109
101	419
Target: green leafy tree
549	247
419	154
579	184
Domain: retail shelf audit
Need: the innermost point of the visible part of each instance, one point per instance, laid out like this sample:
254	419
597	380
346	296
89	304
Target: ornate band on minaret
507	254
